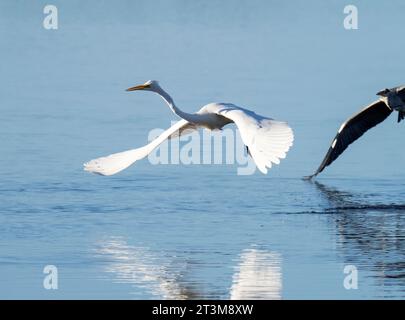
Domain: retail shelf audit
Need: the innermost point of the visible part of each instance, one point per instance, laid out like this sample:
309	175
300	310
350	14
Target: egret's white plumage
267	140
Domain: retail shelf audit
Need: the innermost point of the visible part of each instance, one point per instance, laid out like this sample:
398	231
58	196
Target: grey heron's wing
352	129
268	140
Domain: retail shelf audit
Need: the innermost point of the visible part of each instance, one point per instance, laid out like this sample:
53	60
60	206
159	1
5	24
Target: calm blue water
197	231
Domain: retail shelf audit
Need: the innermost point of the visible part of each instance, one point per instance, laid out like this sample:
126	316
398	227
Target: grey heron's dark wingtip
309	178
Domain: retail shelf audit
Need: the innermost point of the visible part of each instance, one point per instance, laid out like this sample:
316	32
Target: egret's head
150	85
383	93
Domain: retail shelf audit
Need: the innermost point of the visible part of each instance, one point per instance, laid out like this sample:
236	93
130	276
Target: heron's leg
401	115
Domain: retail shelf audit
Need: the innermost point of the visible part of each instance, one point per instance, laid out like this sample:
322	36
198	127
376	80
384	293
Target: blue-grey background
177	231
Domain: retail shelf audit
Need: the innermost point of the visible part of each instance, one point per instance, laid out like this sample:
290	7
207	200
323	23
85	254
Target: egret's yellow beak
140	87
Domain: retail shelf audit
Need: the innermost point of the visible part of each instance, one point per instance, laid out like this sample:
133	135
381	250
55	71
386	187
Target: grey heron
352	129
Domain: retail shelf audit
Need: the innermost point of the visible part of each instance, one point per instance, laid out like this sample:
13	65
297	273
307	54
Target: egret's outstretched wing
352	129
268	140
117	162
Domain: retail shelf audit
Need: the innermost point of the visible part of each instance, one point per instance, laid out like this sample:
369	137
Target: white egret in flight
266	140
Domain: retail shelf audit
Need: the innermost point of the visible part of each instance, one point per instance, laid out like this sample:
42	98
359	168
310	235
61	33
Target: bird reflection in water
139	266
370	235
258	276
258	273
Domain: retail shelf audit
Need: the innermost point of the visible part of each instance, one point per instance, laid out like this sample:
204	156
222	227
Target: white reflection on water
257	275
139	266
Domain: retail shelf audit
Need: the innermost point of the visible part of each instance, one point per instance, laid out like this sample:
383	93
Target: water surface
197	231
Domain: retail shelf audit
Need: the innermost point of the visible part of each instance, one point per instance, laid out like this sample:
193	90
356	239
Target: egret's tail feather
116	162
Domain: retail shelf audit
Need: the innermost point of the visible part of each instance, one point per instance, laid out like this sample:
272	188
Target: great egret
267	140
353	128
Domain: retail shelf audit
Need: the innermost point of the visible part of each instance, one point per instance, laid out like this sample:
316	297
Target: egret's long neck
166	97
